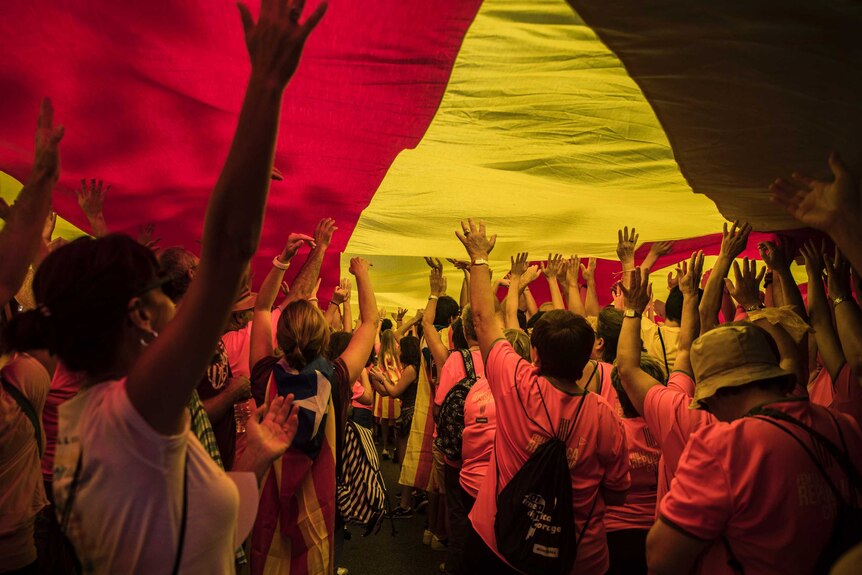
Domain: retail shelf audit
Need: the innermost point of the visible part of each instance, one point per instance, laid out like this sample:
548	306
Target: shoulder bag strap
184	517
27	408
469	369
663	351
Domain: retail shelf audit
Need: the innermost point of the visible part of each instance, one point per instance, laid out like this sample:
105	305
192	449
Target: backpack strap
469	369
663	351
27	408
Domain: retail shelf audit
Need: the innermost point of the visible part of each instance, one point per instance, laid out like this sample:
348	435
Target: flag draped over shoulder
296	519
416	469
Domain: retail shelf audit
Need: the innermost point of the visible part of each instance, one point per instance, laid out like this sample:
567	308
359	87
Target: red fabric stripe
149	93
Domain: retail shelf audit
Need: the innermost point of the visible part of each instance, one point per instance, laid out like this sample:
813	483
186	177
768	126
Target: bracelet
754	307
312	299
479	262
332	301
430	297
280	264
838	301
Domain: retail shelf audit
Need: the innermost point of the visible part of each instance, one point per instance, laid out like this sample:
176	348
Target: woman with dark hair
302	492
138	492
405	390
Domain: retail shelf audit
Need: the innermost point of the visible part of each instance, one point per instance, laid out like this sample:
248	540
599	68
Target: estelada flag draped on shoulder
296	519
416	469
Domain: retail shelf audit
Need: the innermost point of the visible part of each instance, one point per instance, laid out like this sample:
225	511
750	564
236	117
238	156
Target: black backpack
535	523
450	420
847	526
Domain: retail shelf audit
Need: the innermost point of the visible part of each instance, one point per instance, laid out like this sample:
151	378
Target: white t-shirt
22	493
127	508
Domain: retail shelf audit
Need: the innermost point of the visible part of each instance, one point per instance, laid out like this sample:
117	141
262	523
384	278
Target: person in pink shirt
530	398
627	525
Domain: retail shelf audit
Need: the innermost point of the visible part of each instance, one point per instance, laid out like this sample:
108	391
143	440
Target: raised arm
635	381
519	266
819	313
832	207
169	369
848	317
359	349
550	270
656	250
437	281
688	279
306	280
21	236
733	243
573	287
591	303
91	198
777	260
626	244
464	266
406	326
479	247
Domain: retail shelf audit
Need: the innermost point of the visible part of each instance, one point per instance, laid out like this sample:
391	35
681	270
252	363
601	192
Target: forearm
710	303
689	323
591	305
575	303
439	351
828	344
331	315
347	317
635	382
482	304
22	234
556	296
464	297
253	461
511	304
98	225
218	406
269	289
306	279
790	293
532	308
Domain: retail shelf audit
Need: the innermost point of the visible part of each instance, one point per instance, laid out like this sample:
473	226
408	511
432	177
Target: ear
191	273
600	343
534	355
140	315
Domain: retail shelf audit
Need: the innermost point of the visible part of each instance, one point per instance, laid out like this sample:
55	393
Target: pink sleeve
659	408
500	369
681	382
699	501
447	377
847	394
612	451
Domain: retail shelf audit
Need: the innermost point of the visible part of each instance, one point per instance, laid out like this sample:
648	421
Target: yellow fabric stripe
542	133
9	189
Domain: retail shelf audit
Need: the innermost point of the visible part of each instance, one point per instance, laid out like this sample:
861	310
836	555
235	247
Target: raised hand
817	203
359	266
276	41
688	274
48	228
573	268
437	281
734	241
475	240
400	313
47	163
271	429
746	292
838	276
773	255
295	241
519	264
627	242
552	267
342	292
434	264
639	293
813	257
323	232
589	271
145	236
659	249
617	295
91	197
530	275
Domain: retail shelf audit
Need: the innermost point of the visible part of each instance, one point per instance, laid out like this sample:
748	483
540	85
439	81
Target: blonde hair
520	342
302	333
388	350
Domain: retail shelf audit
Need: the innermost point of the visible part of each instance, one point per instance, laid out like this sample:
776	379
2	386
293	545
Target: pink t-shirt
453	371
477	440
753	484
237	344
644	453
601	383
358	391
64	386
597	448
844	395
671	422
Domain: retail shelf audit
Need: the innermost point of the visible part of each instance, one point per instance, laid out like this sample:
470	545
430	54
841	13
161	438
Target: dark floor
385	554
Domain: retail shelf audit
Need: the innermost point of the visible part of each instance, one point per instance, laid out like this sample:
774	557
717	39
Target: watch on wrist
479	262
836	301
754	307
277	263
632	313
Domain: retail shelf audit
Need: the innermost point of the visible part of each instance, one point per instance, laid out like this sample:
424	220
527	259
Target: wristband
312	299
430	297
332	301
479	262
277	263
754	307
836	301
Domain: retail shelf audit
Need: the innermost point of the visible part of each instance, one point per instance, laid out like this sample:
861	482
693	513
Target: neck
567	385
756	398
671	323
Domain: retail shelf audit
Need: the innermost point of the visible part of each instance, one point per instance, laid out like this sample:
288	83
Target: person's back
753	484
596	448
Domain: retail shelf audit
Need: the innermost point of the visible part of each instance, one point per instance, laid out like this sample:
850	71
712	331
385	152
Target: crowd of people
157	415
